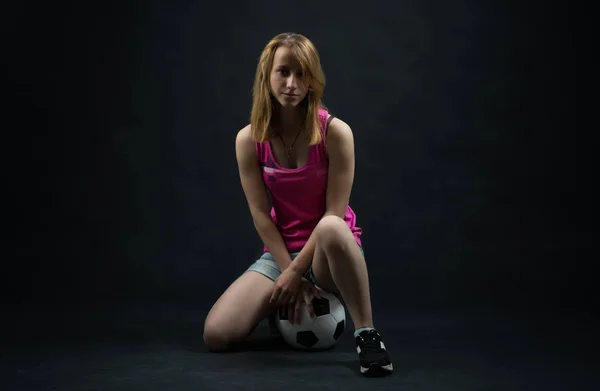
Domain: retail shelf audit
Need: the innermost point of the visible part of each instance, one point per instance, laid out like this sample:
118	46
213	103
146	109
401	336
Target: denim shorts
267	266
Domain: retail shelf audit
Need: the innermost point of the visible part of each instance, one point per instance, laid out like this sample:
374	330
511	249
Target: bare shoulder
244	145
243	139
244	135
339	132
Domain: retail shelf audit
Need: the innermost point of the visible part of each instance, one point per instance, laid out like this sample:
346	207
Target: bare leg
338	262
237	312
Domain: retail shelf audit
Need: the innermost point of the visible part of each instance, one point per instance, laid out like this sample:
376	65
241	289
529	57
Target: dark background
119	135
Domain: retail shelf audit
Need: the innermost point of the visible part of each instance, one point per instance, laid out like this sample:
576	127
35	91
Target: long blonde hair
262	103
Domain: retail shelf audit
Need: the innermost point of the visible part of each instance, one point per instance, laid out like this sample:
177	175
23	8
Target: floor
160	348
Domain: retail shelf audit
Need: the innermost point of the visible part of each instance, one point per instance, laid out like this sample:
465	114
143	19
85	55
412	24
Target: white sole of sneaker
377	369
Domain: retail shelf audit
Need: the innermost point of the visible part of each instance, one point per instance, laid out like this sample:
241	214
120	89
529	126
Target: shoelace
370	342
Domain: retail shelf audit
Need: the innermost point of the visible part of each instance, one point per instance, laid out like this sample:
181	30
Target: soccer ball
320	332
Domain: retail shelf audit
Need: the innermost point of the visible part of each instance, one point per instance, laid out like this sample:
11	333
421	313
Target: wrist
297	268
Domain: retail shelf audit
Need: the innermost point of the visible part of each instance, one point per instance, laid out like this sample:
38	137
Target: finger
279	299
284	297
297	309
309	306
316	292
290	307
293	305
282	307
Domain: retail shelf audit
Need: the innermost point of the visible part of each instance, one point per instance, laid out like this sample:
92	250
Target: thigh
319	272
241	307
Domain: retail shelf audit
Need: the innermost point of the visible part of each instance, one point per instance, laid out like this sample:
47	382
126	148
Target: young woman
300	155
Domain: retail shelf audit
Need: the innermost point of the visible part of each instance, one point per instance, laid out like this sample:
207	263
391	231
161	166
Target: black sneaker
374	358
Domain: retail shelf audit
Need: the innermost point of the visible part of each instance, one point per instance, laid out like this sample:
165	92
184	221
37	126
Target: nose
292	82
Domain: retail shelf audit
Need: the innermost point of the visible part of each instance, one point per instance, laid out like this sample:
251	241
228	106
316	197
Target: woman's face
287	79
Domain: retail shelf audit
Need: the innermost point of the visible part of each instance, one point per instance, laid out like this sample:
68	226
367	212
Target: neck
289	121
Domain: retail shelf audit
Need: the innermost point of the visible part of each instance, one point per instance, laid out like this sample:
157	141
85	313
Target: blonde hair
262	103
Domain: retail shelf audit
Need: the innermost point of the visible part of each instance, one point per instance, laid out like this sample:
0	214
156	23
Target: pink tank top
298	194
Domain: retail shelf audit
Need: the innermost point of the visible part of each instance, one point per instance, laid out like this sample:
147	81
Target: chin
289	104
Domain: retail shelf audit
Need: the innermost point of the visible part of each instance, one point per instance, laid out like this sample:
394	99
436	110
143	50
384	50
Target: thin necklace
289	149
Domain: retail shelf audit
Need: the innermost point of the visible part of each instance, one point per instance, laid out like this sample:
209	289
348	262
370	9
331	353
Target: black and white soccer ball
320	332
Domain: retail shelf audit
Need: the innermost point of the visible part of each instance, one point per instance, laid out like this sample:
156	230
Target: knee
334	234
216	337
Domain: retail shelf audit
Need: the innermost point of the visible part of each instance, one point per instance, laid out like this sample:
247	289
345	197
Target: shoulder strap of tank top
328	121
260	150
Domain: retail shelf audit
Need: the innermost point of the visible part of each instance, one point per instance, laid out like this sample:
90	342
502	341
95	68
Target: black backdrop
120	163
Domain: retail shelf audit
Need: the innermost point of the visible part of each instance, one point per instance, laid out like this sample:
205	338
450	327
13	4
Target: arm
256	196
340	148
